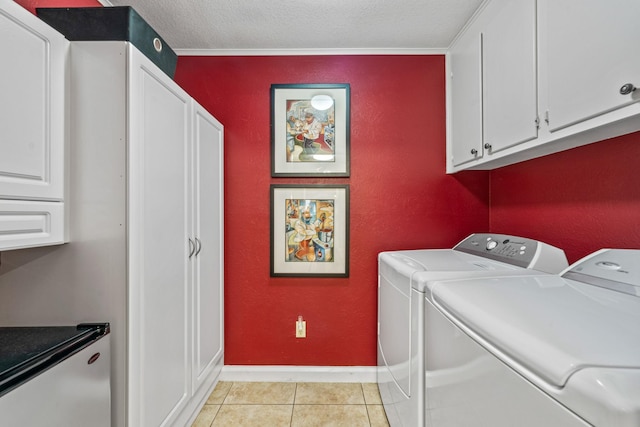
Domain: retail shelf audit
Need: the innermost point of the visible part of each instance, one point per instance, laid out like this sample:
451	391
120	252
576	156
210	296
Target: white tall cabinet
159	289
95	134
33	130
143	143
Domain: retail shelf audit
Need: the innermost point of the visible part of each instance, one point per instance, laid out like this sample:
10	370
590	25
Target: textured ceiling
280	25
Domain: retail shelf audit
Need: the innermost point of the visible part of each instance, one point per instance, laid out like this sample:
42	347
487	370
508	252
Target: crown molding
307	52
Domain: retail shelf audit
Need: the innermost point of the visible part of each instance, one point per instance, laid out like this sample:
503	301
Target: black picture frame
310	130
309	230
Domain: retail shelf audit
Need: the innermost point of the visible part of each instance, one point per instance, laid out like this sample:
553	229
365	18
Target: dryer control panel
614	269
515	250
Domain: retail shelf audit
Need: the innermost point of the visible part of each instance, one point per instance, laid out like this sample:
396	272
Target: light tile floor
269	404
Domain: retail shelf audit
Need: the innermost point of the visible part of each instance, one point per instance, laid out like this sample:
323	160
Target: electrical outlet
301	328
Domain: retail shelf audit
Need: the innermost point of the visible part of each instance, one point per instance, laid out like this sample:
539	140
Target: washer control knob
491	244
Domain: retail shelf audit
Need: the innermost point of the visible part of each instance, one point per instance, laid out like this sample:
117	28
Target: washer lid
547	326
430	260
417	269
483	253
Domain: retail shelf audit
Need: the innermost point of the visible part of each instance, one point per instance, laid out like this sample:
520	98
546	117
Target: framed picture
310	130
310	230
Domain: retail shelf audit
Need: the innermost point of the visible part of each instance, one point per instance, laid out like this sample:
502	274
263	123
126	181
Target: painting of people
310	131
309	230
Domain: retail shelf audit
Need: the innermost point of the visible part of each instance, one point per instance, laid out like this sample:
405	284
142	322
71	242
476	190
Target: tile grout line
364	399
293	407
221	404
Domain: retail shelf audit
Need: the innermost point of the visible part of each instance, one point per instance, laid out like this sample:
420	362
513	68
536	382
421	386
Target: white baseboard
336	374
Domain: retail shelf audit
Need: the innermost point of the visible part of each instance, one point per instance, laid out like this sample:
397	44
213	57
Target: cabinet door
25	224
32	106
465	95
208	226
159	324
509	82
589	53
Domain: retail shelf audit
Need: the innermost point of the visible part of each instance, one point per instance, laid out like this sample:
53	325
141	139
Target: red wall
581	200
31	5
400	197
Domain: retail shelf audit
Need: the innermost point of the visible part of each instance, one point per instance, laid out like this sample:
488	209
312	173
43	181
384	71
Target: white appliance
55	376
403	279
548	350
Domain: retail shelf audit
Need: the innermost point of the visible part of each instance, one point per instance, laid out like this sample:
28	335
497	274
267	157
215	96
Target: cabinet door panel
208	274
509	88
465	123
32	106
590	51
159	316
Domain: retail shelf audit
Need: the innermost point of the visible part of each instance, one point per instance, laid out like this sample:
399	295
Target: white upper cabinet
33	130
464	96
554	74
32	106
589	64
509	90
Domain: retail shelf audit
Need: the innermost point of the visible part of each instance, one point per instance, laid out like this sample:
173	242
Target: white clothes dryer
548	350
403	280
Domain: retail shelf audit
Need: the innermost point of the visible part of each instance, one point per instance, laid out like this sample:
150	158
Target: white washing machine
537	351
403	280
